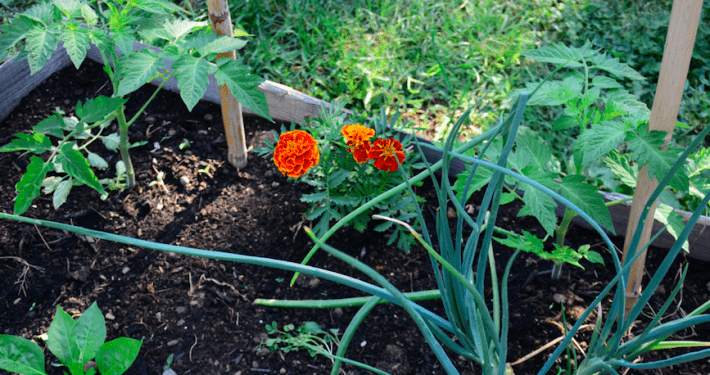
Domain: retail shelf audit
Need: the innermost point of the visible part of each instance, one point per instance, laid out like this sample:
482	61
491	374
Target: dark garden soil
202	311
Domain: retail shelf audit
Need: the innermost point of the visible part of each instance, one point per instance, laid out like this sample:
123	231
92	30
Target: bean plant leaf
76	42
75	165
192	75
137	69
61	192
90	332
243	85
96	109
560	54
116	356
613	66
28	187
61	340
20	355
599	140
585	196
41	42
35	143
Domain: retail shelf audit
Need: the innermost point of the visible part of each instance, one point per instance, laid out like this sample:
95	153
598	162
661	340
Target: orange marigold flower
296	152
386	153
358	140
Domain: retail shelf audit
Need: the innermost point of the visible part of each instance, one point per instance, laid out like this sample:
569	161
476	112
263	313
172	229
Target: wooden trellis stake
221	22
683	26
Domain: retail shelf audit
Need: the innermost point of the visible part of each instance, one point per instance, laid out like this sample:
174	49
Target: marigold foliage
296	152
386	153
358	141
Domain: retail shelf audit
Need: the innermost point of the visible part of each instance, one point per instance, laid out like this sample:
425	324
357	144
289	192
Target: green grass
425	58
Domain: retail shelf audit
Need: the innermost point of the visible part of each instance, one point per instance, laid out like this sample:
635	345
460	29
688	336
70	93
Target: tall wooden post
682	29
221	22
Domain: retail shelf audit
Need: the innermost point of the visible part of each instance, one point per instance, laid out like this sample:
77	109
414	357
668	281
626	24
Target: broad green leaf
61	340
35	143
76	41
599	140
622	169
527	242
52	125
97	161
192	76
588	98
158	6
111	141
565	121
593	257
627	102
116	356
50	183
41	43
699	162
480	179
28	187
613	66
70	8
124	39
555	92
172	53
540	205
560	54
136	70
565	254
90	17
62	192
90	332
105	43
152	34
533	149
43	13
96	109
178	28
20	355
666	215
221	45
647	151
244	86
75	165
604	82
14	32
585	196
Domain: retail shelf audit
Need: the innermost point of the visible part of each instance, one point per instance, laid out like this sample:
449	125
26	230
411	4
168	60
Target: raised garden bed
201	310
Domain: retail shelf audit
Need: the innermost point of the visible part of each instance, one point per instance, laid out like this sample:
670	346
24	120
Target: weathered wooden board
287	104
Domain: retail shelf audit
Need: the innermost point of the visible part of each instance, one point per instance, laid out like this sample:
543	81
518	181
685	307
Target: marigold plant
358	141
296	152
386	153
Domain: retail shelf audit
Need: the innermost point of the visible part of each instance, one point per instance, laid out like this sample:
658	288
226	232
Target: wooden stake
221	22
682	29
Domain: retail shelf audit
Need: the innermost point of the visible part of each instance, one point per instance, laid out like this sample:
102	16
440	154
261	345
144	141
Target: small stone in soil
109	316
150	120
173	342
184	180
208	117
558	298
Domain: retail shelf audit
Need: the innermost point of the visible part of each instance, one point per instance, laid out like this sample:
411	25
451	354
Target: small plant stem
145	105
123	147
560	233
